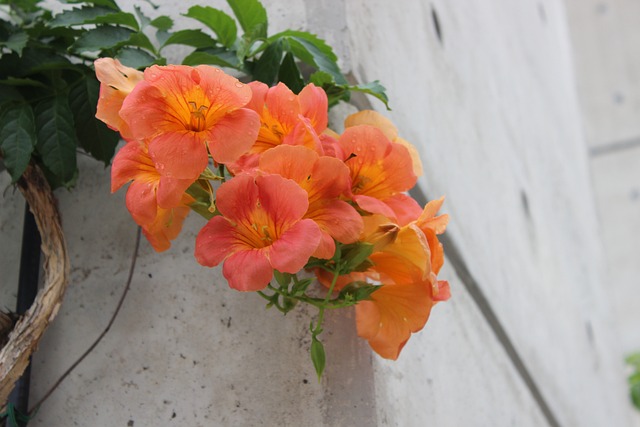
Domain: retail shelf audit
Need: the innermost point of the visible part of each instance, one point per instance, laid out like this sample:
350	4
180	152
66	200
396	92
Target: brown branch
24	339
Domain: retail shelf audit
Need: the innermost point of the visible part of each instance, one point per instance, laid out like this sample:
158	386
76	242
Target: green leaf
283	279
111	4
94	15
220	57
93	135
358	291
56	138
202	201
635	395
102	37
144	20
139	40
633	360
374	89
267	66
252	17
16	42
318	356
9	94
195	38
14	81
219	22
290	75
163	23
315	52
135	58
17	139
354	255
38	60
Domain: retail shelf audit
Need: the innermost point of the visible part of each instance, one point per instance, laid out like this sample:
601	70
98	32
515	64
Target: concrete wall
489	96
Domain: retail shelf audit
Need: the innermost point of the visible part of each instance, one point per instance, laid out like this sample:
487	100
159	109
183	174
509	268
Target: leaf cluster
49	92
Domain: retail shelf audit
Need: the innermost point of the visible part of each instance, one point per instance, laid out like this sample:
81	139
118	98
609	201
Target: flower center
198	119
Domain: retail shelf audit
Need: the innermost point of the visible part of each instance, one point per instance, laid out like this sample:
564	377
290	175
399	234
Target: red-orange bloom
392	314
261	229
373	118
286	118
325	179
116	82
183	111
380	169
406	259
157	203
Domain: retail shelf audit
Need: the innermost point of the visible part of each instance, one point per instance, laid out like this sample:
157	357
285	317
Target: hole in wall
542	12
525	204
436	24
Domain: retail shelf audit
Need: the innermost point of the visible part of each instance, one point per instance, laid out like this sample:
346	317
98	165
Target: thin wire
97	341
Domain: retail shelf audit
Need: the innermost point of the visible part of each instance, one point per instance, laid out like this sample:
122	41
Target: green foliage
17	138
45	61
634	379
93	135
219	22
318	356
57	138
252	17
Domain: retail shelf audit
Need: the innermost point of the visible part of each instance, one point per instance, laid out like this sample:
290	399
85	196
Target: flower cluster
291	194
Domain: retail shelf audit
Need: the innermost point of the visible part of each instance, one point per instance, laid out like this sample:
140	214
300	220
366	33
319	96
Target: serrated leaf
135	58
290	75
111	4
102	37
16	42
219	22
17	139
93	15
221	57
314	53
37	60
319	43
93	135
267	66
56	138
163	23
321	78
144	20
374	89
139	40
252	17
318	356
195	38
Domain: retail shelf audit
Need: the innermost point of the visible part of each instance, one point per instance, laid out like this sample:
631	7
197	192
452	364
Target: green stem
336	273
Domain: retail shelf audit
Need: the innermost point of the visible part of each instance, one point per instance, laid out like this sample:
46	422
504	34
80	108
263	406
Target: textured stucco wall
491	103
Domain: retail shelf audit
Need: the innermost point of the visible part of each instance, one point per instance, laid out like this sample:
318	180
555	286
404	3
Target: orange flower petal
392	314
180	103
314	105
117	81
248	270
178	155
379	168
233	135
293	248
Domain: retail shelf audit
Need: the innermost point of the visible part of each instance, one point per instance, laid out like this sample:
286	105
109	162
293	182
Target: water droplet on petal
238	84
